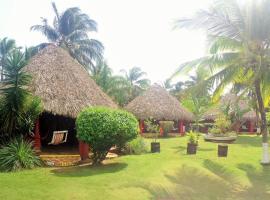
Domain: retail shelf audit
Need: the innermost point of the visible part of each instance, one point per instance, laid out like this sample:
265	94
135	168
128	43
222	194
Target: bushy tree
103	128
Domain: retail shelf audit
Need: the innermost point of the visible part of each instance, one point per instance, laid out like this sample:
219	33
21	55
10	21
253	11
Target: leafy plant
193	137
18	108
103	128
153	127
221	126
166	126
18	154
136	146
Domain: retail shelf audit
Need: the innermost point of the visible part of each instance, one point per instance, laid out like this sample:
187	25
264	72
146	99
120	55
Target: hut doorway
48	123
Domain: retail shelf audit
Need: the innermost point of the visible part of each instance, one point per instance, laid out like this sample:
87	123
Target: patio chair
59	137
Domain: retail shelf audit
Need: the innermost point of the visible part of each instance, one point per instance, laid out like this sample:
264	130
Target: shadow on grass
247	140
89	170
213	181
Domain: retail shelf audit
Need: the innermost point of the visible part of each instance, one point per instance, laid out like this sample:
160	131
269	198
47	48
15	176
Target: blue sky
134	32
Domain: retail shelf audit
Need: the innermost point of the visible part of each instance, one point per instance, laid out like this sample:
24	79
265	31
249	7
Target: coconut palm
118	87
238	50
6	45
70	31
135	77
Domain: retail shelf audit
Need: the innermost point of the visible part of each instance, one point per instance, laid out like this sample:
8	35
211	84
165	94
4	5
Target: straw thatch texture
249	115
157	103
64	86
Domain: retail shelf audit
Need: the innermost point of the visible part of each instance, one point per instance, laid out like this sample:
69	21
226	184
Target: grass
169	175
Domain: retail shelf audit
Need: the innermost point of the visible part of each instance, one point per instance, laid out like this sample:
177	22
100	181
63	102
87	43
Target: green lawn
169	175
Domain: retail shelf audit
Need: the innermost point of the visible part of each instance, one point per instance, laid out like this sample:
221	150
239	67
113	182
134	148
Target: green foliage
137	146
167	126
153	127
221	126
193	137
238	49
70	31
268	118
18	108
103	128
18	154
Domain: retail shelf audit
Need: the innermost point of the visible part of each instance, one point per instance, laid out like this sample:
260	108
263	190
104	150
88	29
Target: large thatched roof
157	103
64	86
232	99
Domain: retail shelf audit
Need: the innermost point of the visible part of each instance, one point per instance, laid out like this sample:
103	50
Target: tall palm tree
70	31
118	87
135	77
238	50
6	46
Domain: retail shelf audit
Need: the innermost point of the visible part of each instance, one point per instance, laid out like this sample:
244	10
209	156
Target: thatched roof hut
157	103
64	86
214	112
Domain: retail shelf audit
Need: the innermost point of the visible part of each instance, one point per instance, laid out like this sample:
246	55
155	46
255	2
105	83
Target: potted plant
153	127
221	131
166	126
192	144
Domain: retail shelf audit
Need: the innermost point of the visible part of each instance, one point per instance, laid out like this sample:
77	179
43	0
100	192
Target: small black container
191	148
155	147
222	150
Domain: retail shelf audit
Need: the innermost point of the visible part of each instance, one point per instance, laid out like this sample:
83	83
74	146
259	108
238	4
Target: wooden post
181	127
83	150
251	126
37	142
141	124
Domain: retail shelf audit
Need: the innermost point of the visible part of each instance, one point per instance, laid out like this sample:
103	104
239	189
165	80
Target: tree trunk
265	156
2	74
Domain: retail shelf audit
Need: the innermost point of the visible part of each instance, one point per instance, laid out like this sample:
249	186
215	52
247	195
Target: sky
134	32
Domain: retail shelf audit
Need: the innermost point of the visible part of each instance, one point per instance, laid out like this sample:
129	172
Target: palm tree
6	45
238	50
135	78
70	31
18	108
115	86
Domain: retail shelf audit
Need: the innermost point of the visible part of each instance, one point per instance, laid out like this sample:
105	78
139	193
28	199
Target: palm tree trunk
2	74
265	156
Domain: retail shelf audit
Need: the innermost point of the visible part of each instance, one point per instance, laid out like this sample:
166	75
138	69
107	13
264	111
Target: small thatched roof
211	114
249	115
157	103
64	86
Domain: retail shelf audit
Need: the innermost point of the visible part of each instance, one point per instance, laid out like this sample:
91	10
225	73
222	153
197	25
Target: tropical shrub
18	154
193	137
136	146
103	128
167	126
222	127
18	108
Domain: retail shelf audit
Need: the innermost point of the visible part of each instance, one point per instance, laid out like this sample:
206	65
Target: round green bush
103	128
18	154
